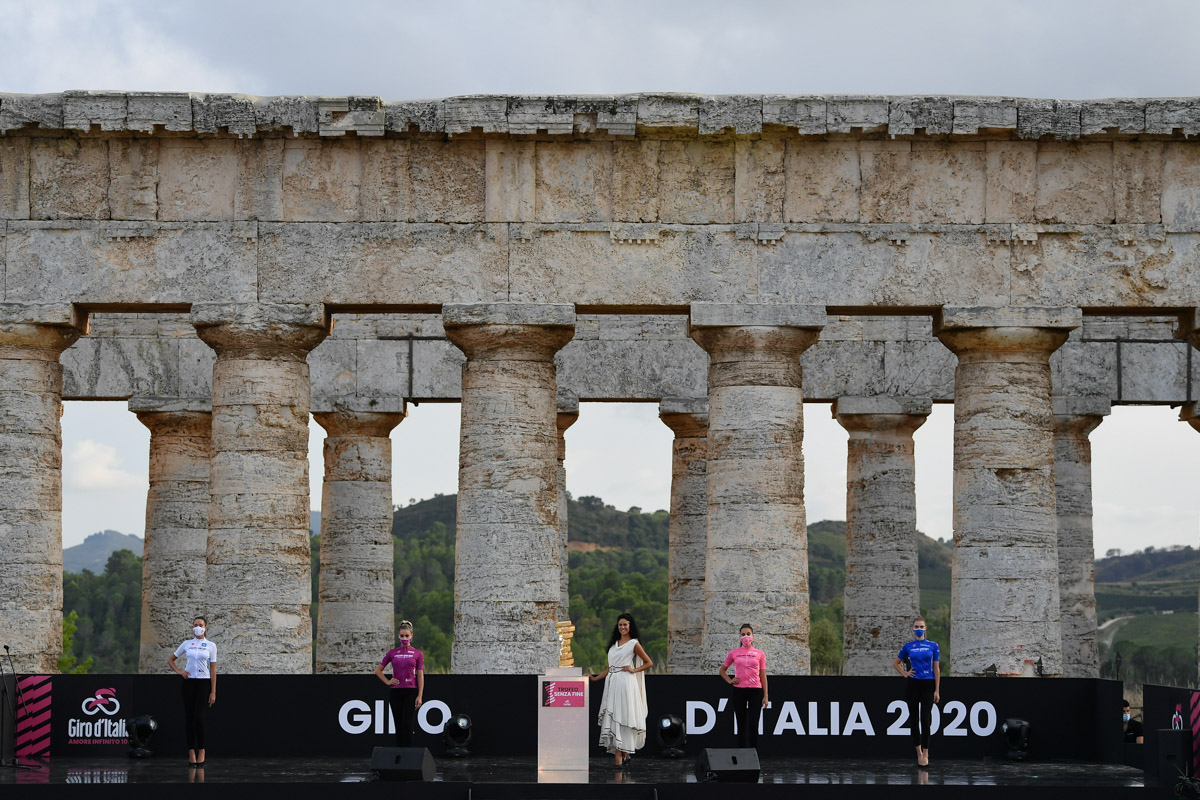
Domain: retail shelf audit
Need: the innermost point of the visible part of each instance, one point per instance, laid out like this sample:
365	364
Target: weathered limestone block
573	182
1137	181
635	180
688	533
130	262
170	110
756	542
972	114
258	194
177	504
1057	118
419	116
258	551
696	182
1121	116
482	113
294	115
566	416
1075	182
321	180
806	115
822	182
669	110
886	180
355	617
197	179
68	179
948	183
133	178
1134	266
1011	181
758	193
20	110
632	357
1004	589
741	113
931	115
14	178
1173	116
382	262
882	592
232	112
83	109
31	339
868	113
1180	187
1074	420
511	181
508	568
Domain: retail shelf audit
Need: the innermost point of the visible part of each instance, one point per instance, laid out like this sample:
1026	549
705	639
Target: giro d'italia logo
105	701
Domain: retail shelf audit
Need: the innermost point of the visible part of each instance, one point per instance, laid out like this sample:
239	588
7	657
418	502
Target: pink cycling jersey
747	662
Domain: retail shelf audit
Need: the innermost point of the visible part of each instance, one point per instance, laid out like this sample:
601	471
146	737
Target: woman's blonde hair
404	625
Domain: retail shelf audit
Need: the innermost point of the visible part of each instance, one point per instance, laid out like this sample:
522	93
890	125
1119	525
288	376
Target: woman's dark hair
202	619
616	634
746	625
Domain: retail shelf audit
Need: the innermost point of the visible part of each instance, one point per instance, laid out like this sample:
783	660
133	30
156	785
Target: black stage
479	778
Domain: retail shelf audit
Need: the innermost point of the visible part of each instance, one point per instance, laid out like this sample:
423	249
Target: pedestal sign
563	725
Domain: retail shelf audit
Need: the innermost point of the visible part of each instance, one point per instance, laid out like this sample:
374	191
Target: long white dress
623	704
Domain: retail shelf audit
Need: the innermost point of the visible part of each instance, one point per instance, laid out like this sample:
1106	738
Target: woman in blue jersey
918	661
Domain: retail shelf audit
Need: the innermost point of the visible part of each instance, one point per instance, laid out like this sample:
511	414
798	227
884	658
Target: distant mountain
94	552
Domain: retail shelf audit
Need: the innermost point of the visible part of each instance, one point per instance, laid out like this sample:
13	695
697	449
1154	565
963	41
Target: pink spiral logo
105	701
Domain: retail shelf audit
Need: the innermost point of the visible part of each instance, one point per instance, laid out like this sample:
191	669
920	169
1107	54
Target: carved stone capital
263	331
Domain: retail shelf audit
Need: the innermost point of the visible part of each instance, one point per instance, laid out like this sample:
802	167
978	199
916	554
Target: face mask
404	642
920	632
1124	718
198	630
747	641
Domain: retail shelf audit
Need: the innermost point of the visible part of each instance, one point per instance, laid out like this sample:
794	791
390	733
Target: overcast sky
1144	459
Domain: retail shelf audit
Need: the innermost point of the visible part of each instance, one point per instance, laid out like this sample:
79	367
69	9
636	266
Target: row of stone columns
745	448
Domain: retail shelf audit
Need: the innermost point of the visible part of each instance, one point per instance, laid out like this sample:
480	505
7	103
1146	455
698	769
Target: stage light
141	728
1017	733
671	734
456	735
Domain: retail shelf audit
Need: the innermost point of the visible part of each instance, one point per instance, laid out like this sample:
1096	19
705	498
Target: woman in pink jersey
406	685
749	682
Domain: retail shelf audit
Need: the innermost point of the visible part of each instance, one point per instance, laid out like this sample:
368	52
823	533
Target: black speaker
403	763
728	764
1174	756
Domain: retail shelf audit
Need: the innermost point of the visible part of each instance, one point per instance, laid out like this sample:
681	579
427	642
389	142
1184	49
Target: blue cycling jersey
921	654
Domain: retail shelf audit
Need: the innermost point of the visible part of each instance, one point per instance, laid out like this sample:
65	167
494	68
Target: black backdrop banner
311	715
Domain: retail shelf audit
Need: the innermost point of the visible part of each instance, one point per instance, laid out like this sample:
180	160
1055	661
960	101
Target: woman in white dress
623	704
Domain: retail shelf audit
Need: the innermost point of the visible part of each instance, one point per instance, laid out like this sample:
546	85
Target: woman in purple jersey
918	661
407	683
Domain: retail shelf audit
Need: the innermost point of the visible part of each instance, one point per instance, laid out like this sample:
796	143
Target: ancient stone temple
231	265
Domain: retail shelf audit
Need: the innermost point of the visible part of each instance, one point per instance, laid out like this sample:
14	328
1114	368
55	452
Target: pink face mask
747	641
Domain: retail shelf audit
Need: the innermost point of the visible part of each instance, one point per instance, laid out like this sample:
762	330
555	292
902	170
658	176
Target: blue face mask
1124	718
920	632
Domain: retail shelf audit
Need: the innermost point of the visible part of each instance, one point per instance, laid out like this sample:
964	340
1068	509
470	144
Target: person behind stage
1133	730
200	683
919	662
407	683
749	682
623	705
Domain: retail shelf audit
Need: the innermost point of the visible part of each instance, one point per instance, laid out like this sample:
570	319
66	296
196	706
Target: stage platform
648	776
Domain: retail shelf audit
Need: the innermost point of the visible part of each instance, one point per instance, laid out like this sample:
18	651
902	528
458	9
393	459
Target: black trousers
195	704
403	714
747	705
919	694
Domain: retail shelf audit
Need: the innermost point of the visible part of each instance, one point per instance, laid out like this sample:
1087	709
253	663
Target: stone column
756	543
357	602
173	567
568	413
31	339
508	561
1004	589
259	574
1074	419
688	418
883	595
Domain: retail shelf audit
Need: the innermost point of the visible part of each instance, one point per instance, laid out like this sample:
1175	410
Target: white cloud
92	466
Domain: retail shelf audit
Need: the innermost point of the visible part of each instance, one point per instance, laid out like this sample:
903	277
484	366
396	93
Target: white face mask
199	631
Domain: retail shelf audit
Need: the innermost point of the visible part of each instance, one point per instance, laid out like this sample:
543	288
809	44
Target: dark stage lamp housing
456	735
1016	731
672	736
141	729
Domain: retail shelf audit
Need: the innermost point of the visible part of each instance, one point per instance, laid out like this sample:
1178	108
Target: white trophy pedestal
562	697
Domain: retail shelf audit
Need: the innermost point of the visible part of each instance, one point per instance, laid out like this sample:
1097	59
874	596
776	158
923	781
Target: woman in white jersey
199	684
